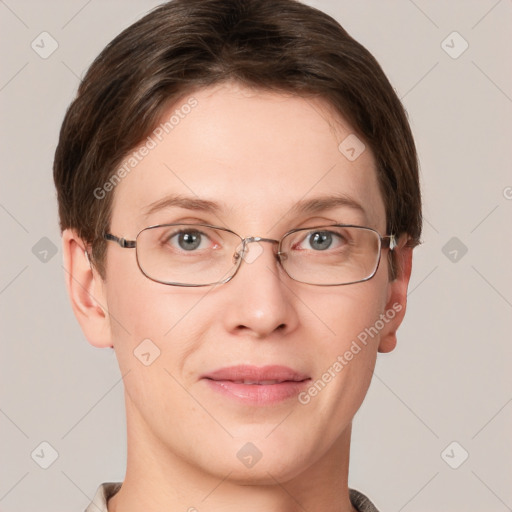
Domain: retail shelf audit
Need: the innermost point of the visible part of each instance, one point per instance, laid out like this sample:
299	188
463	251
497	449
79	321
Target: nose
260	301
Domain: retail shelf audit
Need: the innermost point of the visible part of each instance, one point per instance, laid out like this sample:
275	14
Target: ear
397	296
86	291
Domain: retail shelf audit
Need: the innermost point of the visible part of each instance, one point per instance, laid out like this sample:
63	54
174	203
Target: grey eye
320	240
189	241
186	240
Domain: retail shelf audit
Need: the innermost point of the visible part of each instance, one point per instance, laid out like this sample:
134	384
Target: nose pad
281	256
250	253
239	253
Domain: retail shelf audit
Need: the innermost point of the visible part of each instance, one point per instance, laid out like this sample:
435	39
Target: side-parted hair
185	45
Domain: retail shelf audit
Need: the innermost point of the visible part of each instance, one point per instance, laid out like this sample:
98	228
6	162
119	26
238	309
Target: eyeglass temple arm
389	242
125	244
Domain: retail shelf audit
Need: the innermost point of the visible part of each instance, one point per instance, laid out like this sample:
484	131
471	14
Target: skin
257	154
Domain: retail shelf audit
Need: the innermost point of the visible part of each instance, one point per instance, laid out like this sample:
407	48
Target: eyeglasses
205	255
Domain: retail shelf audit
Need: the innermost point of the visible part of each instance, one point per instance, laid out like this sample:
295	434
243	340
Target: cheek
148	317
155	331
345	355
348	312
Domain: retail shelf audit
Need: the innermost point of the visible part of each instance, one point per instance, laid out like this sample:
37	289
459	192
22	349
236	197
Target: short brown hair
183	45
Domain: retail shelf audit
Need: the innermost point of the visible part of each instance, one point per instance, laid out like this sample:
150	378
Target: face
255	155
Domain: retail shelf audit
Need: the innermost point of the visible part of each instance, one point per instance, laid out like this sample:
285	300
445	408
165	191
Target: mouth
257	385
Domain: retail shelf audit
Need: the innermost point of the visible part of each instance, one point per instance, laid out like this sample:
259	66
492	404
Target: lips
245	374
251	385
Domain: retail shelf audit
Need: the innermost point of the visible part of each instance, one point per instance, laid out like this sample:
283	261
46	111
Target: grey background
449	378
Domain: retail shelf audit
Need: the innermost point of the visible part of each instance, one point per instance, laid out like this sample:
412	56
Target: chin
261	462
265	472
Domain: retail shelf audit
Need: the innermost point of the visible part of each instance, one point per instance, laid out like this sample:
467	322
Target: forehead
251	157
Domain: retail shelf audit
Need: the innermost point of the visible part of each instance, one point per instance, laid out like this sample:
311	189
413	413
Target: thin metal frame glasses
333	255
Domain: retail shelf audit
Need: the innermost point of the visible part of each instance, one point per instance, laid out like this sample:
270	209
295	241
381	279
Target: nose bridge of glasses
250	239
241	249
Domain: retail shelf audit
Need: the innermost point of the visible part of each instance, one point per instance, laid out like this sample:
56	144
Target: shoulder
104	492
361	502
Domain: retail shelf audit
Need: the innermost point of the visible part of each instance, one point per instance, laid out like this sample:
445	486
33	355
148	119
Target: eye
187	240
322	240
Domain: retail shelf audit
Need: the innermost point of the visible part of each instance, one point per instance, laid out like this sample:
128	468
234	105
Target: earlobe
397	298
86	291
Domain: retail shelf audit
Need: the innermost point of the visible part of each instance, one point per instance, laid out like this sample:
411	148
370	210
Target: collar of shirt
108	489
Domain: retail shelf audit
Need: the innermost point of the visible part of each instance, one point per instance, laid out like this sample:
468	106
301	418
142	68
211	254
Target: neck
159	479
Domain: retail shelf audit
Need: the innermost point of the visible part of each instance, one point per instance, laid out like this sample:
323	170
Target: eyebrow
188	203
304	206
328	202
